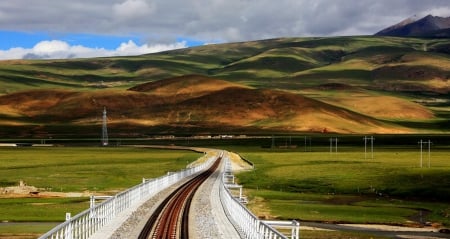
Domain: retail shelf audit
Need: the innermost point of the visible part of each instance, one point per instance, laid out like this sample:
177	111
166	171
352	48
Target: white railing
86	223
246	223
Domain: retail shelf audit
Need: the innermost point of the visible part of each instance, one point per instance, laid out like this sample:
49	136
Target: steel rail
171	217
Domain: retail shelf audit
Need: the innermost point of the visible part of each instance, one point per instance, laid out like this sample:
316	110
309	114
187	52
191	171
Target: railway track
171	218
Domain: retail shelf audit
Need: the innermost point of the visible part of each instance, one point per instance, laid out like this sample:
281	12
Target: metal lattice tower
104	129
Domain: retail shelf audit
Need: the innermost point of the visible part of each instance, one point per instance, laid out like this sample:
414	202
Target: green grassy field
345	187
24	230
77	169
305	234
40	209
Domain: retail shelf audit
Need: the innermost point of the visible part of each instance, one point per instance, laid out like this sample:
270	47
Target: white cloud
57	49
13	53
441	11
133	9
130	48
51	46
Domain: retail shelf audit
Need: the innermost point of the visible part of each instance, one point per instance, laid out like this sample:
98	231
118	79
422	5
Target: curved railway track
171	218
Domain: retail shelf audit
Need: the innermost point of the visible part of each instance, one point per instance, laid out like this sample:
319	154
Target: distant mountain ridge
429	26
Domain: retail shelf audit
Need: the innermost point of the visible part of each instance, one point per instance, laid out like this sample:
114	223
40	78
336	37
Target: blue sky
91	28
12	39
16	44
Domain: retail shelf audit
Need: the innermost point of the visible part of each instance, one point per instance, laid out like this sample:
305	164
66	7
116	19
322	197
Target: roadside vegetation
345	186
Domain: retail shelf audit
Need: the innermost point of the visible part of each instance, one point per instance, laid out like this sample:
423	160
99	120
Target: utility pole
104	129
371	145
371	138
306	145
336	144
429	152
421	142
333	140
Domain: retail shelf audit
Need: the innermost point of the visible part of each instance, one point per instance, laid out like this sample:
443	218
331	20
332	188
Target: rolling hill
204	105
339	84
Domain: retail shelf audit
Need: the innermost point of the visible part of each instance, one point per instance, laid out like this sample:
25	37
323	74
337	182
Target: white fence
247	224
86	223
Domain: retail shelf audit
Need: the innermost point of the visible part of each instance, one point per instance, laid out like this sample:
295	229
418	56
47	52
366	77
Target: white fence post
68	232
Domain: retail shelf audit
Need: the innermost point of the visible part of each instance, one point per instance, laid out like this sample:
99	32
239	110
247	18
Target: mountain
361	84
429	26
204	104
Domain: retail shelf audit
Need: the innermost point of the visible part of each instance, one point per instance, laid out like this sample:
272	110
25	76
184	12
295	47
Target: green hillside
395	81
365	61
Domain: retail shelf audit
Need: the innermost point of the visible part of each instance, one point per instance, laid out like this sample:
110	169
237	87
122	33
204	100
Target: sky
57	29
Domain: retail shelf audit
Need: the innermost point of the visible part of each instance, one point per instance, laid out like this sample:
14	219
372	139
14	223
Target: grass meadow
307	184
95	169
74	169
346	186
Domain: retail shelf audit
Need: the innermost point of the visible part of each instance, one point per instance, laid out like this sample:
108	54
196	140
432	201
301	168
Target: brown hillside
31	103
187	85
60	106
224	105
385	107
269	109
370	103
